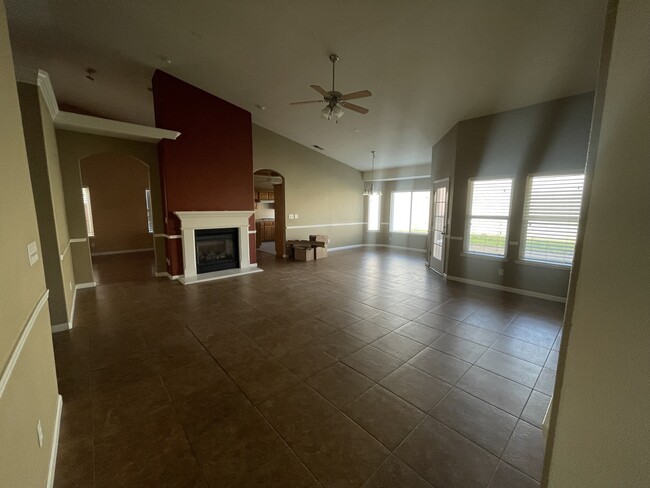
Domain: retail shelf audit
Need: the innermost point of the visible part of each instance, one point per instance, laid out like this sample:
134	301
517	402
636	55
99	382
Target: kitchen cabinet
265	195
265	231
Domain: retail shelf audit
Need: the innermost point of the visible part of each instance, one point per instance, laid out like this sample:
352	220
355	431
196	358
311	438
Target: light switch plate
32	253
290	216
295	216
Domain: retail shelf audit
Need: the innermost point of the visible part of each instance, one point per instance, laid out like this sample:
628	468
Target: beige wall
30	394
45	176
319	189
602	430
117	184
75	146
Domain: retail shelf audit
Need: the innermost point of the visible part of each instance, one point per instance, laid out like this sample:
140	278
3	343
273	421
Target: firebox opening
216	249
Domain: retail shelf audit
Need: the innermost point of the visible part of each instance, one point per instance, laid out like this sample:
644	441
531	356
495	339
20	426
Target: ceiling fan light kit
335	100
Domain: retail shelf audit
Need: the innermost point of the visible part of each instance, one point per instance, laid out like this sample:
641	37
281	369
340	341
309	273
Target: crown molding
87	123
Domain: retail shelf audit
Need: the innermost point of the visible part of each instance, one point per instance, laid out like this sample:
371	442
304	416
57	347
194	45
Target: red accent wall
210	166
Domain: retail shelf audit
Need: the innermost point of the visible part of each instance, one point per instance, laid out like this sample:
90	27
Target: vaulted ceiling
428	63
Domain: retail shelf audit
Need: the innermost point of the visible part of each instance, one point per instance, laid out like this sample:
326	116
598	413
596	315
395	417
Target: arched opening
270	223
116	190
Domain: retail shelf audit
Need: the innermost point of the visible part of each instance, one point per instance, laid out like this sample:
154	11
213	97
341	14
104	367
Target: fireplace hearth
216	249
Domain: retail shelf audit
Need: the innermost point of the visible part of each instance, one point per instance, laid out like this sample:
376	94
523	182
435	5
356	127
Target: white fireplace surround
228	219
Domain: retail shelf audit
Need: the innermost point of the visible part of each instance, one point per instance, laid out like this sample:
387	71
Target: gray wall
548	137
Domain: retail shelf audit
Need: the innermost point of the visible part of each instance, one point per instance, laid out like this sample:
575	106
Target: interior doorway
270	225
118	209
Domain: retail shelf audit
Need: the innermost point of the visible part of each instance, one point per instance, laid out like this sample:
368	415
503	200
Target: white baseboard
519	291
354	246
126	251
162	274
55	442
90	284
61	327
343	248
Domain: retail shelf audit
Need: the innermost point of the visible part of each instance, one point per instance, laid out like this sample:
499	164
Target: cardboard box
320	252
320	238
303	253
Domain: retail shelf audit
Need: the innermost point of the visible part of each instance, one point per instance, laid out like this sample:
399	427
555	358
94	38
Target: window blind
488	216
374	212
147	197
550	221
88	211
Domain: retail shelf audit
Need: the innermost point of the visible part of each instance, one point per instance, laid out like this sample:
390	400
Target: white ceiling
428	63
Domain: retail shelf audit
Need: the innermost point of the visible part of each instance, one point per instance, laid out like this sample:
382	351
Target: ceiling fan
336	100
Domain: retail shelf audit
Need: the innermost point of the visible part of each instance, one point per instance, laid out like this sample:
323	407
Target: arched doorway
118	208
270	222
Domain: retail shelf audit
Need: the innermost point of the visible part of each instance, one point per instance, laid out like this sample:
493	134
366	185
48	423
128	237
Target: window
147	198
374	211
488	216
88	211
409	212
550	223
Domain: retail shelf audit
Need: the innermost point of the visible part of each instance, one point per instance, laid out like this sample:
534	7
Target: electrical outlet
32	253
290	216
39	433
295	216
500	271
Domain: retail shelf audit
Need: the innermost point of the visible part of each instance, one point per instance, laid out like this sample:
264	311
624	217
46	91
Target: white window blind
374	213
147	197
409	212
488	216
88	211
551	213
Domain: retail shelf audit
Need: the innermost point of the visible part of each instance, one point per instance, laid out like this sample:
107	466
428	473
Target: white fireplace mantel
227	219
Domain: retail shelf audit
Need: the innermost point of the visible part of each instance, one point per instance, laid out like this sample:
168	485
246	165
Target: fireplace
202	234
216	249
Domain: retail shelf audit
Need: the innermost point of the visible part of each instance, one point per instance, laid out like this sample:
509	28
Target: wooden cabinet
265	195
265	231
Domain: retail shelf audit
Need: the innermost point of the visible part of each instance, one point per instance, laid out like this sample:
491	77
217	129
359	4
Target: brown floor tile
539	337
512	368
443	366
366	331
417	387
387	320
546	382
420	333
520	349
399	346
459	348
490	319
335	318
372	362
436	321
496	390
475	334
339	344
295	411
394	473
551	362
339	453
405	311
118	375
304	361
263	378
340	384
445	458
74	465
422	303
384	415
480	422
243	450
535	409
508	477
525	451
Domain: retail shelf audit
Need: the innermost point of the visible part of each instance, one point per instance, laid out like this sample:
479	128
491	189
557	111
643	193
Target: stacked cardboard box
314	248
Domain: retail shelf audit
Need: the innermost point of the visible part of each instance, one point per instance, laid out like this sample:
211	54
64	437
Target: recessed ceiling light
318	147
164	59
261	107
357	130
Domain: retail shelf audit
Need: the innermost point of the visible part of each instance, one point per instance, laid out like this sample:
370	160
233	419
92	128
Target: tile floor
362	369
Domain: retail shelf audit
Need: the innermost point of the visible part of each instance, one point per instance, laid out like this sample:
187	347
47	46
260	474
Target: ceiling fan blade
354	107
359	94
308	101
320	90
